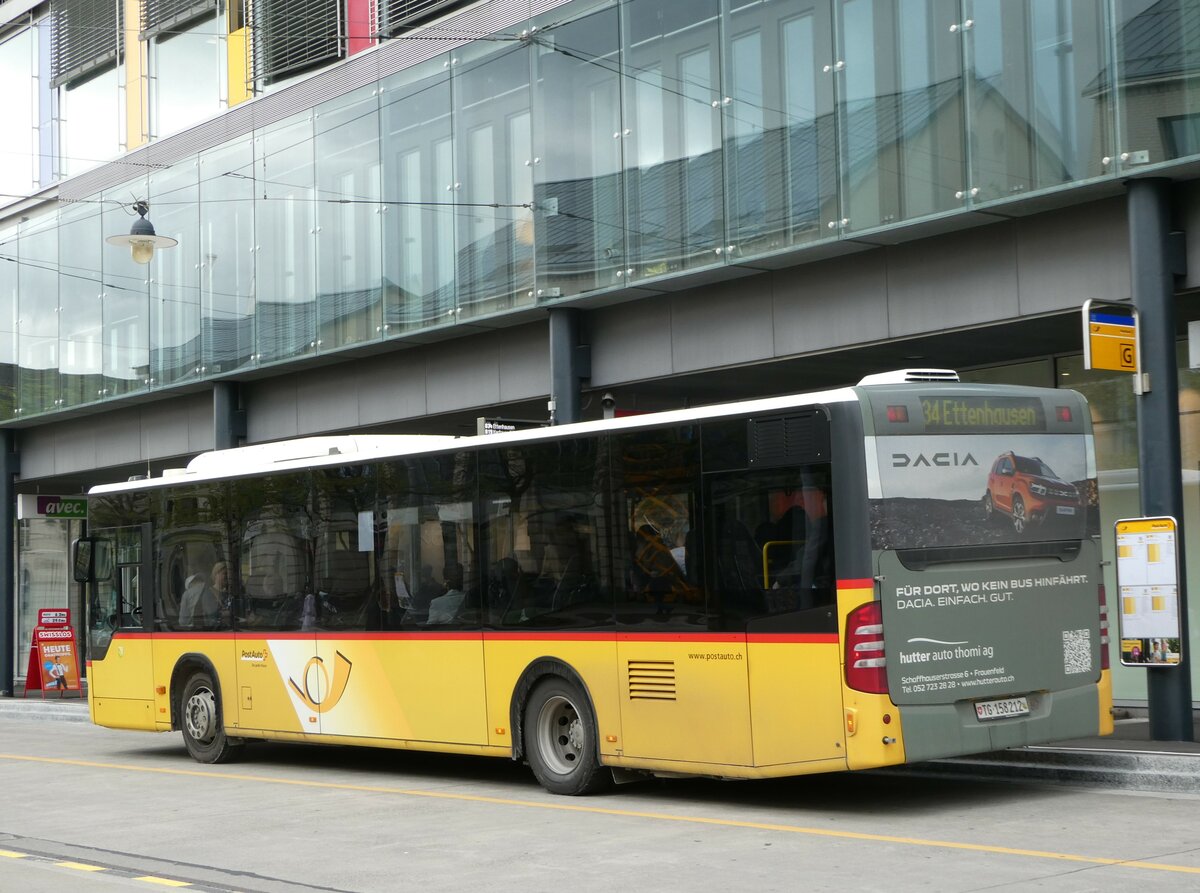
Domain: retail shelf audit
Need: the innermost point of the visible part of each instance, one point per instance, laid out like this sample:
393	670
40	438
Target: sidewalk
71	706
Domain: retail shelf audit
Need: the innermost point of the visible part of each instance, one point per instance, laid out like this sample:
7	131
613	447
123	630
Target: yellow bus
792	585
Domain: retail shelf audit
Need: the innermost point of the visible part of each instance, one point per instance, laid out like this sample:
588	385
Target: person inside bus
198	608
445	608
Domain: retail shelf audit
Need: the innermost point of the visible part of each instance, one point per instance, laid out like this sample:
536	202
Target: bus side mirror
83	560
91	560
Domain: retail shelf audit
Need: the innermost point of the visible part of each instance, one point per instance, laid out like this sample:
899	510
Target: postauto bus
775	587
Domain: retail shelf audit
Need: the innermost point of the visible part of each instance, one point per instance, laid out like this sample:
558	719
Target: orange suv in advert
1028	491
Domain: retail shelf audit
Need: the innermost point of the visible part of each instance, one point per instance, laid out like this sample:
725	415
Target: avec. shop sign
62	507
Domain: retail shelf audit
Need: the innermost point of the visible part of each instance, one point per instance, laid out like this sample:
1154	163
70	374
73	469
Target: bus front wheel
560	739
201	721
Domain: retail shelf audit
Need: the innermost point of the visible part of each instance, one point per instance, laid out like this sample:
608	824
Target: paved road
92	809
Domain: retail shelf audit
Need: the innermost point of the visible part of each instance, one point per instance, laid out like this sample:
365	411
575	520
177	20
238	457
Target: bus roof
332	451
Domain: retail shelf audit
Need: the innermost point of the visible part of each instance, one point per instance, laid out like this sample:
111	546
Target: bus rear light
866	663
1104	661
897	413
1063	413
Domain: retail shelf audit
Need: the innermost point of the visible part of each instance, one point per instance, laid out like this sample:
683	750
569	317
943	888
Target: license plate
1001	709
1066	509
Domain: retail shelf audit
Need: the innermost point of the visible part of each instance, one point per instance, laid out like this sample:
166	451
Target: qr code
1077	651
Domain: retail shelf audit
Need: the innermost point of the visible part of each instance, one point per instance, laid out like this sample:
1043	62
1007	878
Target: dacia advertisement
989	574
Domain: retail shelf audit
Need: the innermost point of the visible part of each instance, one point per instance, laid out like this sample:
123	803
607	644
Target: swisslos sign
65	507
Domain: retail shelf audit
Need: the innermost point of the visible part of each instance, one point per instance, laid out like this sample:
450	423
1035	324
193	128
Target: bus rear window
939	492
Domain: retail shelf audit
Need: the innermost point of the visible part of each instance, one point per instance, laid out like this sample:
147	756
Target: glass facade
608	144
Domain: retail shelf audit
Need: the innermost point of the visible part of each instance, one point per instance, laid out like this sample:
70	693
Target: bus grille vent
803	437
652	680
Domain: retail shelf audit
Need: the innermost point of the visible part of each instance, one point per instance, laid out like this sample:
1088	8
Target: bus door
279	674
770	535
120	676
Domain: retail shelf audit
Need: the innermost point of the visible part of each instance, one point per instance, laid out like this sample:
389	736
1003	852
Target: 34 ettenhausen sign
32	505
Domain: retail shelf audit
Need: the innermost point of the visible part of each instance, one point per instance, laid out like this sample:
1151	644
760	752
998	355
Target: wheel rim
987	505
560	735
1019	516
200	716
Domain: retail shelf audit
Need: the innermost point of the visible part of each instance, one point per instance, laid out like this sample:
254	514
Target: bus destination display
993	414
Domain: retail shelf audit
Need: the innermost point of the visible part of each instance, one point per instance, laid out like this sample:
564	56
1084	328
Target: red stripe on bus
803	638
864	583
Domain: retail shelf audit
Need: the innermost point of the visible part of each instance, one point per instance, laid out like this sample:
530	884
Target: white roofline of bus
317	452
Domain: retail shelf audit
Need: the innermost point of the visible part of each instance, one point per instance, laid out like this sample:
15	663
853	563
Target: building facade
401	216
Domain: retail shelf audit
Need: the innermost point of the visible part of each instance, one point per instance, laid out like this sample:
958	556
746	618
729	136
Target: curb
1130	770
75	710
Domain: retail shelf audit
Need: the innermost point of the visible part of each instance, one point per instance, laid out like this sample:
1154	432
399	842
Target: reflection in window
276	529
429	572
343	595
186	66
91	120
195	576
546	543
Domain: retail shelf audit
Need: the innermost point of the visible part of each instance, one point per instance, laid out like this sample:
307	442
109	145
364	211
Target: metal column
9	467
569	365
229	419
1169	688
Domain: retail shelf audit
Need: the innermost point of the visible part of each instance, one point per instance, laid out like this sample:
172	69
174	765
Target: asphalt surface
1128	759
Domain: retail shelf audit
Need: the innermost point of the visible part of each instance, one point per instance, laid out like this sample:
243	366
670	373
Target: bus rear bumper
932	731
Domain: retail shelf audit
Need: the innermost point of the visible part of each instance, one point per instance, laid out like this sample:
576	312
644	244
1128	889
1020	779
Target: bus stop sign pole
1169	688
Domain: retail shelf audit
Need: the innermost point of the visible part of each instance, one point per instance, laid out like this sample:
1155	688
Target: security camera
609	403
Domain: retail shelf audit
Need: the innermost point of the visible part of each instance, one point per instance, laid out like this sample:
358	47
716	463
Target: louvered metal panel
164	15
85	36
651	680
789	440
290	36
396	16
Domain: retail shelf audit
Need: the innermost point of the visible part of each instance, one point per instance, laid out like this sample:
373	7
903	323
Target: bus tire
201	719
560	739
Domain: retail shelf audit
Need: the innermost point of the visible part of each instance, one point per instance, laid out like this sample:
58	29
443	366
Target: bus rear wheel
560	739
201	719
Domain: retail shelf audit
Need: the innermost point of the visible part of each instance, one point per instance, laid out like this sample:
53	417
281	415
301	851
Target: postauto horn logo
315	667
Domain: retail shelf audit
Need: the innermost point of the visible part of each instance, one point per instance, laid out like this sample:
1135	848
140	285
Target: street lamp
142	240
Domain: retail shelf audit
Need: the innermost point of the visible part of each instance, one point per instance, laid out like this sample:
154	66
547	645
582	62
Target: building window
87	37
292	36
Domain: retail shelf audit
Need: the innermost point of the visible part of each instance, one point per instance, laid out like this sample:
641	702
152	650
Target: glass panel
37	316
18	136
349	234
285	222
429	542
9	268
495	159
580	234
548	539
81	323
418	184
780	149
901	108
126	299
657	550
185	68
1030	64
43	556
193	559
1158	58
673	175
774	546
275	525
227	257
344	582
174	276
90	121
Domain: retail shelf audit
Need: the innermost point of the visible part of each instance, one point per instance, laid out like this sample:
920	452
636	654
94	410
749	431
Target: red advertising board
53	657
